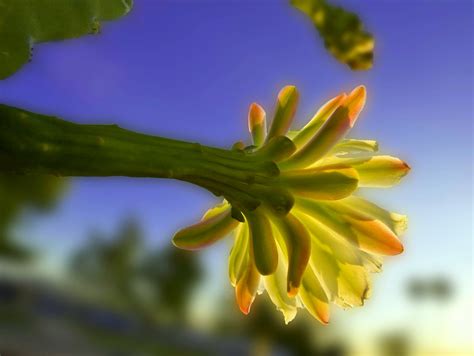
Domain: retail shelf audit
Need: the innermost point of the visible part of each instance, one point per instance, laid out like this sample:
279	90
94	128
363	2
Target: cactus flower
323	250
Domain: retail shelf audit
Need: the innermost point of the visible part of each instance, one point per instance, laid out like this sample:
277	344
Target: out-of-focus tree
174	274
155	285
269	335
342	32
395	344
437	287
111	265
20	195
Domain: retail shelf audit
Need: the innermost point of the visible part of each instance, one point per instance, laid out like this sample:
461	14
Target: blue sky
189	70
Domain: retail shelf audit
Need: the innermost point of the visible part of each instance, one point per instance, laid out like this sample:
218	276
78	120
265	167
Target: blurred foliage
342	31
19	194
155	285
26	22
395	344
111	264
437	287
270	336
174	274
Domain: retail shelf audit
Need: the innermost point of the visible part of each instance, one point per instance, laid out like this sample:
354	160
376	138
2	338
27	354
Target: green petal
263	243
333	130
350	146
298	249
300	138
275	284
277	149
206	232
238	254
323	184
285	111
257	124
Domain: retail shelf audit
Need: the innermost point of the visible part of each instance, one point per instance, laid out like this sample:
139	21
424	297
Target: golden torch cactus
324	248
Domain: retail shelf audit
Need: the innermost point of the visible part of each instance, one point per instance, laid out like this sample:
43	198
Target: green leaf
342	31
26	22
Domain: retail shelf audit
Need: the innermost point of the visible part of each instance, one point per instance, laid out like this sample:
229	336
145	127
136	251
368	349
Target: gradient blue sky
189	70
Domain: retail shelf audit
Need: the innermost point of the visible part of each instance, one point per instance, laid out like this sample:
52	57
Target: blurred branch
342	32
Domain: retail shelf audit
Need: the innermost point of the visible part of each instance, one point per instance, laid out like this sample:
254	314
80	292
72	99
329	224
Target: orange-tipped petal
257	124
206	232
287	103
355	102
321	116
373	236
247	286
333	130
381	171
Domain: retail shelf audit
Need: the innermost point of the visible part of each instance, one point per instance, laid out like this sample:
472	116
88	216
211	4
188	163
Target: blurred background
86	264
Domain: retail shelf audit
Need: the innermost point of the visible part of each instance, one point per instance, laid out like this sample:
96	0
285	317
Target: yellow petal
275	284
321	184
339	268
246	287
308	131
257	124
371	262
334	129
238	254
285	111
380	171
263	242
323	215
206	232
